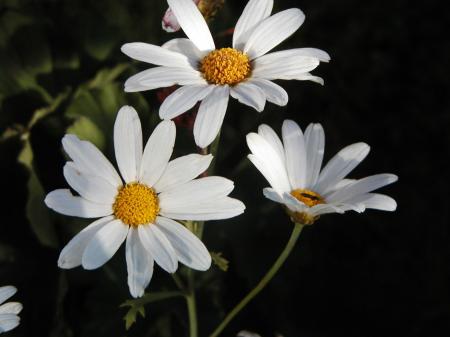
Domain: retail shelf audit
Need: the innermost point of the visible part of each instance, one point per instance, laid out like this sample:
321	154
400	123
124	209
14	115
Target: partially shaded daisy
140	210
9	318
211	75
292	168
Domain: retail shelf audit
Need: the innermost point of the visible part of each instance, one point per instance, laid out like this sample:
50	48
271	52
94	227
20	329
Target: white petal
273	92
185	47
189	249
284	66
181	170
62	201
90	160
222	208
295	150
268	162
183	99
315	148
7	292
92	188
159	247
192	23
375	201
272	31
249	94
104	244
295	53
254	12
272	138
325	209
11	308
159	77
341	165
70	256
8	322
210	116
157	152
309	77
273	195
139	264
154	54
128	143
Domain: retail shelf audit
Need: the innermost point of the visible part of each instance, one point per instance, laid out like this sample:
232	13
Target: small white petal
272	31
210	116
254	12
185	47
273	195
183	99
139	264
309	77
190	250
62	201
90	160
325	209
7	292
159	77
159	247
273	92
157	55
181	170
104	244
295	150
192	23
315	148
70	256
284	66
376	201
249	94
128	143
92	188
8	322
11	308
157	152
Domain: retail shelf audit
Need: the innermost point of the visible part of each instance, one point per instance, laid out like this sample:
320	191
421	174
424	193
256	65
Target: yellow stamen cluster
225	66
310	199
136	204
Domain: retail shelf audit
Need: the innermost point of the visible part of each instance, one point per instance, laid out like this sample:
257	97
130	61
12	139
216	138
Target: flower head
9	318
245	71
142	208
293	169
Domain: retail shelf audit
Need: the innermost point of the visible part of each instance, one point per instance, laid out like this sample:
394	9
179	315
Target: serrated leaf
220	261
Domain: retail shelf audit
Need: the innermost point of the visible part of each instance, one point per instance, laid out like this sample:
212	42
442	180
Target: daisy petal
295	151
157	55
222	208
186	47
272	138
183	99
273	92
90	160
70	256
272	31
210	116
11	308
192	23
8	322
309	77
189	249
128	143
157	152
62	201
341	165
158	77
7	292
159	247
254	12
249	94
273	195
181	170
376	201
293	204
139	264
104	244
92	188
315	148
325	209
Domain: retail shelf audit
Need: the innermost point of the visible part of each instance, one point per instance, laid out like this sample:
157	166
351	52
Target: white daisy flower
211	75
140	210
292	168
9	318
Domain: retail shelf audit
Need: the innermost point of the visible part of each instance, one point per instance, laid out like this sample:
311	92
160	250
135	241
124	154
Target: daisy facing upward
142	208
245	71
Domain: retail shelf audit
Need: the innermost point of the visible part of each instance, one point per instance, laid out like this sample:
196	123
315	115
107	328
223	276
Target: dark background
371	274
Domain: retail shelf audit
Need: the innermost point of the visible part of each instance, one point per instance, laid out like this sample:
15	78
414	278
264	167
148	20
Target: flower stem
263	282
192	311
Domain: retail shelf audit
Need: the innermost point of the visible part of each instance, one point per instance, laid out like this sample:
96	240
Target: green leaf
85	129
220	261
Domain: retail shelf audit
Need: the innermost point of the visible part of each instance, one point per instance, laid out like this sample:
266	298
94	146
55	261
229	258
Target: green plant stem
192	311
263	282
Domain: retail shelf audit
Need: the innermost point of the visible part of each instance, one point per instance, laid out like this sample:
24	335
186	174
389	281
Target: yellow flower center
310	199
225	66
136	204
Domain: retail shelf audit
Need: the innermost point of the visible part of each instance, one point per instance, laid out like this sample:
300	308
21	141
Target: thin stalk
263	282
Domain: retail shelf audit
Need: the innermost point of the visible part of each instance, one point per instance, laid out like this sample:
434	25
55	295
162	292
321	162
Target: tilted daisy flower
293	169
9	318
142	209
211	75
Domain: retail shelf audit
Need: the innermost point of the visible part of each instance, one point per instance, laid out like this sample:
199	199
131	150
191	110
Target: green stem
264	281
192	311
